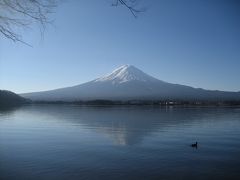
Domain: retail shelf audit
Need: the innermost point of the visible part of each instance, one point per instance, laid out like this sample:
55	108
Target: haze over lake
134	142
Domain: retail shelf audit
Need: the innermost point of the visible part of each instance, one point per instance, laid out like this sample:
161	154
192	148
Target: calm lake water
71	142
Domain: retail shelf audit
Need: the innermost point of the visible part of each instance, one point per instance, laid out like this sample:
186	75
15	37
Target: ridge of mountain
126	83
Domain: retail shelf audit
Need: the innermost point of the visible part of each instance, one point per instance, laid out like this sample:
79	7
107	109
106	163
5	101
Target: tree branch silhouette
130	5
17	14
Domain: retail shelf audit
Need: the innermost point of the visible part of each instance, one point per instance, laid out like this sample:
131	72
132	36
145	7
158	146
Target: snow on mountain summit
126	73
129	83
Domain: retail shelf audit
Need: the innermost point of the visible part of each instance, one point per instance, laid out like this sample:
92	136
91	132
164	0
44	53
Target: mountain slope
126	83
8	99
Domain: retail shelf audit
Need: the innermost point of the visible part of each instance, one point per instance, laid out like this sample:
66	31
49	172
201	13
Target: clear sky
190	42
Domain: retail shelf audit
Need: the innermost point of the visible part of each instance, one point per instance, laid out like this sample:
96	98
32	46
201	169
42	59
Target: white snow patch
124	74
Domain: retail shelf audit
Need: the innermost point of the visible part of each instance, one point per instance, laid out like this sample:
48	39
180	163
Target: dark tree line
10	99
163	103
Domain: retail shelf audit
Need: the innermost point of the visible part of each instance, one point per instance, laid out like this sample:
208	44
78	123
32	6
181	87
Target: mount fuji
129	83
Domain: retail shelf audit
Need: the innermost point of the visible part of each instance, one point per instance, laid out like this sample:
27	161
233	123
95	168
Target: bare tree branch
130	4
16	14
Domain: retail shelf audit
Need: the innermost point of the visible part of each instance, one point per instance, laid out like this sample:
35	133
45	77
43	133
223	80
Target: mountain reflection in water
119	142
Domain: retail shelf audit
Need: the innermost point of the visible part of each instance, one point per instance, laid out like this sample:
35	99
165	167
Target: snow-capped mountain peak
126	73
129	83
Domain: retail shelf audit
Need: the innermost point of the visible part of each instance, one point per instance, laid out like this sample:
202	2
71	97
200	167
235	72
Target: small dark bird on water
195	145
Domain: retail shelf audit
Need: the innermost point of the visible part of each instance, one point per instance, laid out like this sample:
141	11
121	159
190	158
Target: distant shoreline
146	103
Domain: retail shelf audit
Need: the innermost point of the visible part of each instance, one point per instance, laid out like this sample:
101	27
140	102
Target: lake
133	142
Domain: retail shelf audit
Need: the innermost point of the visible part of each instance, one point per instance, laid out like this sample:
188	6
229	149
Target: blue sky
190	42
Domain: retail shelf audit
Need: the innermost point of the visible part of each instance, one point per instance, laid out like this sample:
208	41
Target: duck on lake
195	144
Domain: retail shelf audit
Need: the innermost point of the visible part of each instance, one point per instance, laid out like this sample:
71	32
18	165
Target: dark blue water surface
72	142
